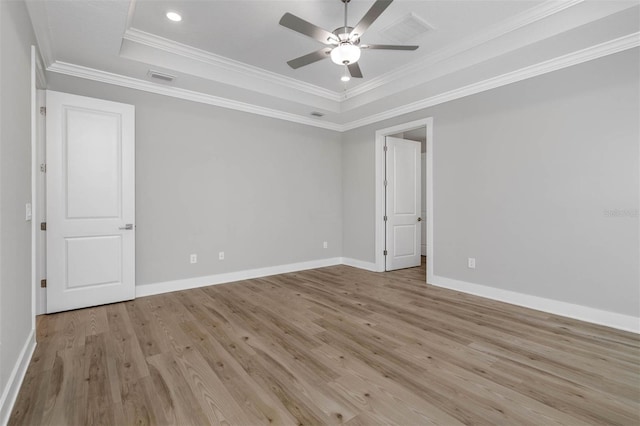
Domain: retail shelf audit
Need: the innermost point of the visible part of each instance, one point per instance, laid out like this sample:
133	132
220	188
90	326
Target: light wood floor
327	346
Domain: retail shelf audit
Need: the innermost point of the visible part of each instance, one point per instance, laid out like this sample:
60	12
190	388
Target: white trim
379	188
360	264
525	18
40	214
556	307
135	83
18	372
521	20
594	52
188	283
429	195
570	310
151	40
574	58
35	207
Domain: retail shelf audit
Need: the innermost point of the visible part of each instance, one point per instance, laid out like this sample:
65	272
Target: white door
403	203
90	202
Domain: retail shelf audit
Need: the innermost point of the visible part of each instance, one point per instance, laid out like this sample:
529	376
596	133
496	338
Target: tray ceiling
234	53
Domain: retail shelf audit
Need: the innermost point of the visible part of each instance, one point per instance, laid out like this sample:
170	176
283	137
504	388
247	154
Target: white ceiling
234	53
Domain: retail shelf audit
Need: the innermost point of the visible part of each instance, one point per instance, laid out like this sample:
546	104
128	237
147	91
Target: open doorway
403	199
420	135
421	130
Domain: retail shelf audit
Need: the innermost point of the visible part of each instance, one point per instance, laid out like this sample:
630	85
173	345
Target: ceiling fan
343	43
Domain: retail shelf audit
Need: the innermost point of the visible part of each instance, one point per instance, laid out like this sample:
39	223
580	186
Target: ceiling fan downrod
346	34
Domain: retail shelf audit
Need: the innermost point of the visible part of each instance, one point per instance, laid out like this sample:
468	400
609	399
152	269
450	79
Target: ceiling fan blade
354	70
388	47
309	58
376	10
307	28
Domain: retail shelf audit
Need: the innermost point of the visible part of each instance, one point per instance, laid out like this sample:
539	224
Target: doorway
87	185
403	199
423	125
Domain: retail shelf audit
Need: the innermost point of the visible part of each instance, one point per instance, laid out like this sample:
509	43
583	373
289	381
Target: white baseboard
570	310
185	284
10	392
583	313
360	264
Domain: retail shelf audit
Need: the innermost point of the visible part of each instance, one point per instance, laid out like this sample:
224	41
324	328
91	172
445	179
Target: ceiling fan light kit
346	53
343	44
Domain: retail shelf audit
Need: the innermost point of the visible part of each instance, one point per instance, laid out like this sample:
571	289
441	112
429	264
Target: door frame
38	84
393	191
85	227
427	191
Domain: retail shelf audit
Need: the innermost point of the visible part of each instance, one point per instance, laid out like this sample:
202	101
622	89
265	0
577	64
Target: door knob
127	227
419	219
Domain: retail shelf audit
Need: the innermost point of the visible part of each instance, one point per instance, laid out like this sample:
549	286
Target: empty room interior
361	212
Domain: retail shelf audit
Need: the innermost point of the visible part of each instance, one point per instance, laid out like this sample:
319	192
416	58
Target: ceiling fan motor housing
343	35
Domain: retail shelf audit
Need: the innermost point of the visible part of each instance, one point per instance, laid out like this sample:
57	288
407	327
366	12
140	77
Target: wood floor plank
334	345
254	400
101	381
182	406
68	387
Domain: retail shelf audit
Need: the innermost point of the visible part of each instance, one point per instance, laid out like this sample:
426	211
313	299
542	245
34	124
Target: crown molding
594	52
523	19
574	58
151	40
146	86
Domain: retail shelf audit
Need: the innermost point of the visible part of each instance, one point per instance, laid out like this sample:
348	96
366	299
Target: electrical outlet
471	262
221	255
193	258
325	245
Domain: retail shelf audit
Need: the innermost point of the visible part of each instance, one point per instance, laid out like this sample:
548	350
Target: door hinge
384	252
43	226
385	148
43	283
43	110
385	182
43	168
385	218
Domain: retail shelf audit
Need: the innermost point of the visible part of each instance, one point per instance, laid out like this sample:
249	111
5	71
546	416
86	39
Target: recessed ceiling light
345	78
173	16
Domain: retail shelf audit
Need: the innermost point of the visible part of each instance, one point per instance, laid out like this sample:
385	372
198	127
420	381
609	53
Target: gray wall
266	192
527	178
16	39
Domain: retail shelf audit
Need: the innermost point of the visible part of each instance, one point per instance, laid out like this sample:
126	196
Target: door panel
403	206
404	240
93	261
93	149
90	198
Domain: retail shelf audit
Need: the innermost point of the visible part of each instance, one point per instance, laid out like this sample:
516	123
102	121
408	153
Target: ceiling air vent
406	28
161	76
317	114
